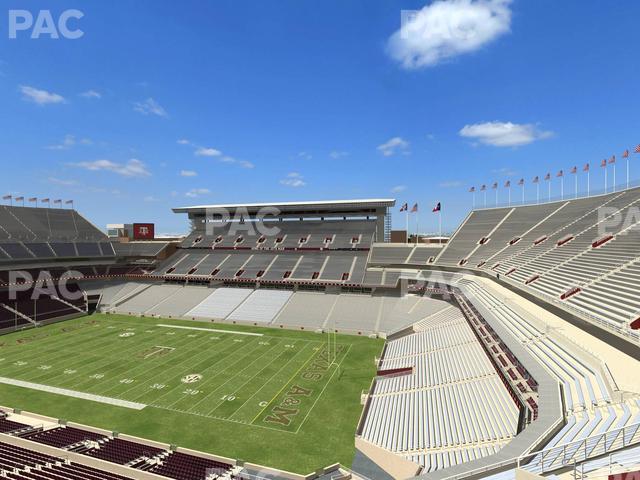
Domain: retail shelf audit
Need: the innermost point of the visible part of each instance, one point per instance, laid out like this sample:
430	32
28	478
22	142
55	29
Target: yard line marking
73	393
285	385
222	419
266	383
251	334
324	388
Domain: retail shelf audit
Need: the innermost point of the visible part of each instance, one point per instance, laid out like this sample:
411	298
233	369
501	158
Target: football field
253	378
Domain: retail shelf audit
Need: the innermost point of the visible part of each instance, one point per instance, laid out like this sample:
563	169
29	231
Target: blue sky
162	104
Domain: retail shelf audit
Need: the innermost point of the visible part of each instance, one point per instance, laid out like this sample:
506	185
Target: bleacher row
28	224
588	403
451	408
22	251
310	310
16	462
584	252
265	235
332	266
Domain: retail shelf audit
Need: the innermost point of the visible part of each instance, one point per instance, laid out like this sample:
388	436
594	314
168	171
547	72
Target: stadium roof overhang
323	207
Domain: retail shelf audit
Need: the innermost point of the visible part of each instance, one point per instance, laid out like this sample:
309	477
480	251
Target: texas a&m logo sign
143	231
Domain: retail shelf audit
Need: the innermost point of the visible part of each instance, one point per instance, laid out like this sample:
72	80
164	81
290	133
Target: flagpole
473	200
589	182
606	181
538	192
576	183
562	187
406	213
440	224
614	177
509	195
627	172
523	194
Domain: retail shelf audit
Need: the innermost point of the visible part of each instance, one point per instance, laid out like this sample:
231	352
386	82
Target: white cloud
336	154
245	164
398	188
504	134
62	182
207	152
450	184
150	198
448	28
68	142
196	192
393	146
150	107
294	179
39	97
305	155
91	94
188	173
184	141
133	168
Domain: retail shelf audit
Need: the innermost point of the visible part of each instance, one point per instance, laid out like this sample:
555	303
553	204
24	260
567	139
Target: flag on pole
7	197
483	188
472	189
586	167
612	160
547	177
507	184
536	179
404	207
19	199
414	209
494	186
44	200
57	201
574	170
437	208
625	154
521	182
69	202
33	199
637	149
560	174
603	163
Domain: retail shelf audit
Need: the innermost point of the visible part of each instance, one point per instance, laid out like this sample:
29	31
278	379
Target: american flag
19	199
33	199
414	208
437	208
404	207
612	160
7	197
536	179
483	188
521	182
586	167
637	150
69	202
625	154
472	189
603	163
574	170
44	200
57	201
560	174
547	177
495	185
507	184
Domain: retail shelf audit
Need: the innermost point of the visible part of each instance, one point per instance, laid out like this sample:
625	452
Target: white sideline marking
72	393
213	330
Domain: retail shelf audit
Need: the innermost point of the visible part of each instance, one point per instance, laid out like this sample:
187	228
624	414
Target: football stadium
288	240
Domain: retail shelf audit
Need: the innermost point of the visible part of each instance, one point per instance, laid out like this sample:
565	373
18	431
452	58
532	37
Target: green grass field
273	397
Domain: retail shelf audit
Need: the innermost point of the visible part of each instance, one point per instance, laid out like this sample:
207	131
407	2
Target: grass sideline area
263	395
